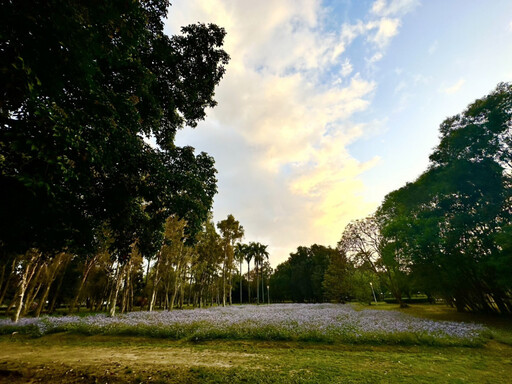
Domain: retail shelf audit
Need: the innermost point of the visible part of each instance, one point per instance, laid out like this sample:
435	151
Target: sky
327	106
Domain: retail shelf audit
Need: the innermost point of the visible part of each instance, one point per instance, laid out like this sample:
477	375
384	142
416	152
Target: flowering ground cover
303	322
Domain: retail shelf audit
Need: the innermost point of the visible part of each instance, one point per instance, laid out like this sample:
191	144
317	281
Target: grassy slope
79	359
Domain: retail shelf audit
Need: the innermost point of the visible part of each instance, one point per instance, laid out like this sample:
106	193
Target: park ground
72	358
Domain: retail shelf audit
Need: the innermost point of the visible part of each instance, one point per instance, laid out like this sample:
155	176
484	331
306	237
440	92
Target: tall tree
231	231
450	225
259	252
241	251
248	257
205	261
81	85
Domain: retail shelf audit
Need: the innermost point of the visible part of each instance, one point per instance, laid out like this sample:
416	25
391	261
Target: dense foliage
81	86
300	278
450	229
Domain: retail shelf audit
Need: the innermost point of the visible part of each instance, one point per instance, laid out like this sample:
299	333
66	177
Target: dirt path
69	359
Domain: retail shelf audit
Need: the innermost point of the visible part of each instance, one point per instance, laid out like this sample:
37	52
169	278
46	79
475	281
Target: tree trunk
54	268
51	308
249	280
262	288
26	277
156	280
118	278
11	273
87	268
224	282
176	283
241	280
31	295
257	284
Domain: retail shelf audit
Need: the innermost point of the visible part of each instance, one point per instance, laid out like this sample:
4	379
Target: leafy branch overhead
81	86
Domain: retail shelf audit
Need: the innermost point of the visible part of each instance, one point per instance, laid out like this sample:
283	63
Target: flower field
306	322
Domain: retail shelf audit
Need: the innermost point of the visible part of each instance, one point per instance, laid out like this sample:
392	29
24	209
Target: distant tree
359	282
241	251
364	244
336	282
301	277
260	253
248	257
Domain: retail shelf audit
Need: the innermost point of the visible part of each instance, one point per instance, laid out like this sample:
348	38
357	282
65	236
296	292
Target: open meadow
289	343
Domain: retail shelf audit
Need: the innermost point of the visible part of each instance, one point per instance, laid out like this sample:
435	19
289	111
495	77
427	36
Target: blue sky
327	106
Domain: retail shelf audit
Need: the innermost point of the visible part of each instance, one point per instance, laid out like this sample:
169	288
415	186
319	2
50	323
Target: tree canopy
81	86
450	226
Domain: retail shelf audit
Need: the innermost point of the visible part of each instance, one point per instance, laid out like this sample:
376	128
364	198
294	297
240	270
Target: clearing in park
289	343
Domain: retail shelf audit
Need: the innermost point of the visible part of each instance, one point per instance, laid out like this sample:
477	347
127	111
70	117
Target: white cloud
453	88
346	68
375	58
393	7
278	135
386	30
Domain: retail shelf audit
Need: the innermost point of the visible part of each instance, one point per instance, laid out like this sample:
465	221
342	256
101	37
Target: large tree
81	85
452	225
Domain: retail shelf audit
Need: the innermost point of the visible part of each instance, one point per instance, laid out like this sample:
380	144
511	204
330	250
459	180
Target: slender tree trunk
131	296
87	269
230	287
156	280
241	281
31	295
26	277
51	308
176	283
257	284
249	280
147	271
33	289
262	288
224	282
9	277
118	279
54	268
126	286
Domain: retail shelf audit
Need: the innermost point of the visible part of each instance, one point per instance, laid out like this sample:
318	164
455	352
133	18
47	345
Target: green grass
500	326
74	358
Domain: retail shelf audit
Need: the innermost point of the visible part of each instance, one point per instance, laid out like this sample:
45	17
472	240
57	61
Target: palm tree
260	252
248	257
240	254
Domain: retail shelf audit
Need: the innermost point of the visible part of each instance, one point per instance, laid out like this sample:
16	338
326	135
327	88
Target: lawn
72	357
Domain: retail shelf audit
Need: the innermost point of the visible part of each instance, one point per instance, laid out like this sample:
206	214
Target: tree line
447	235
205	272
